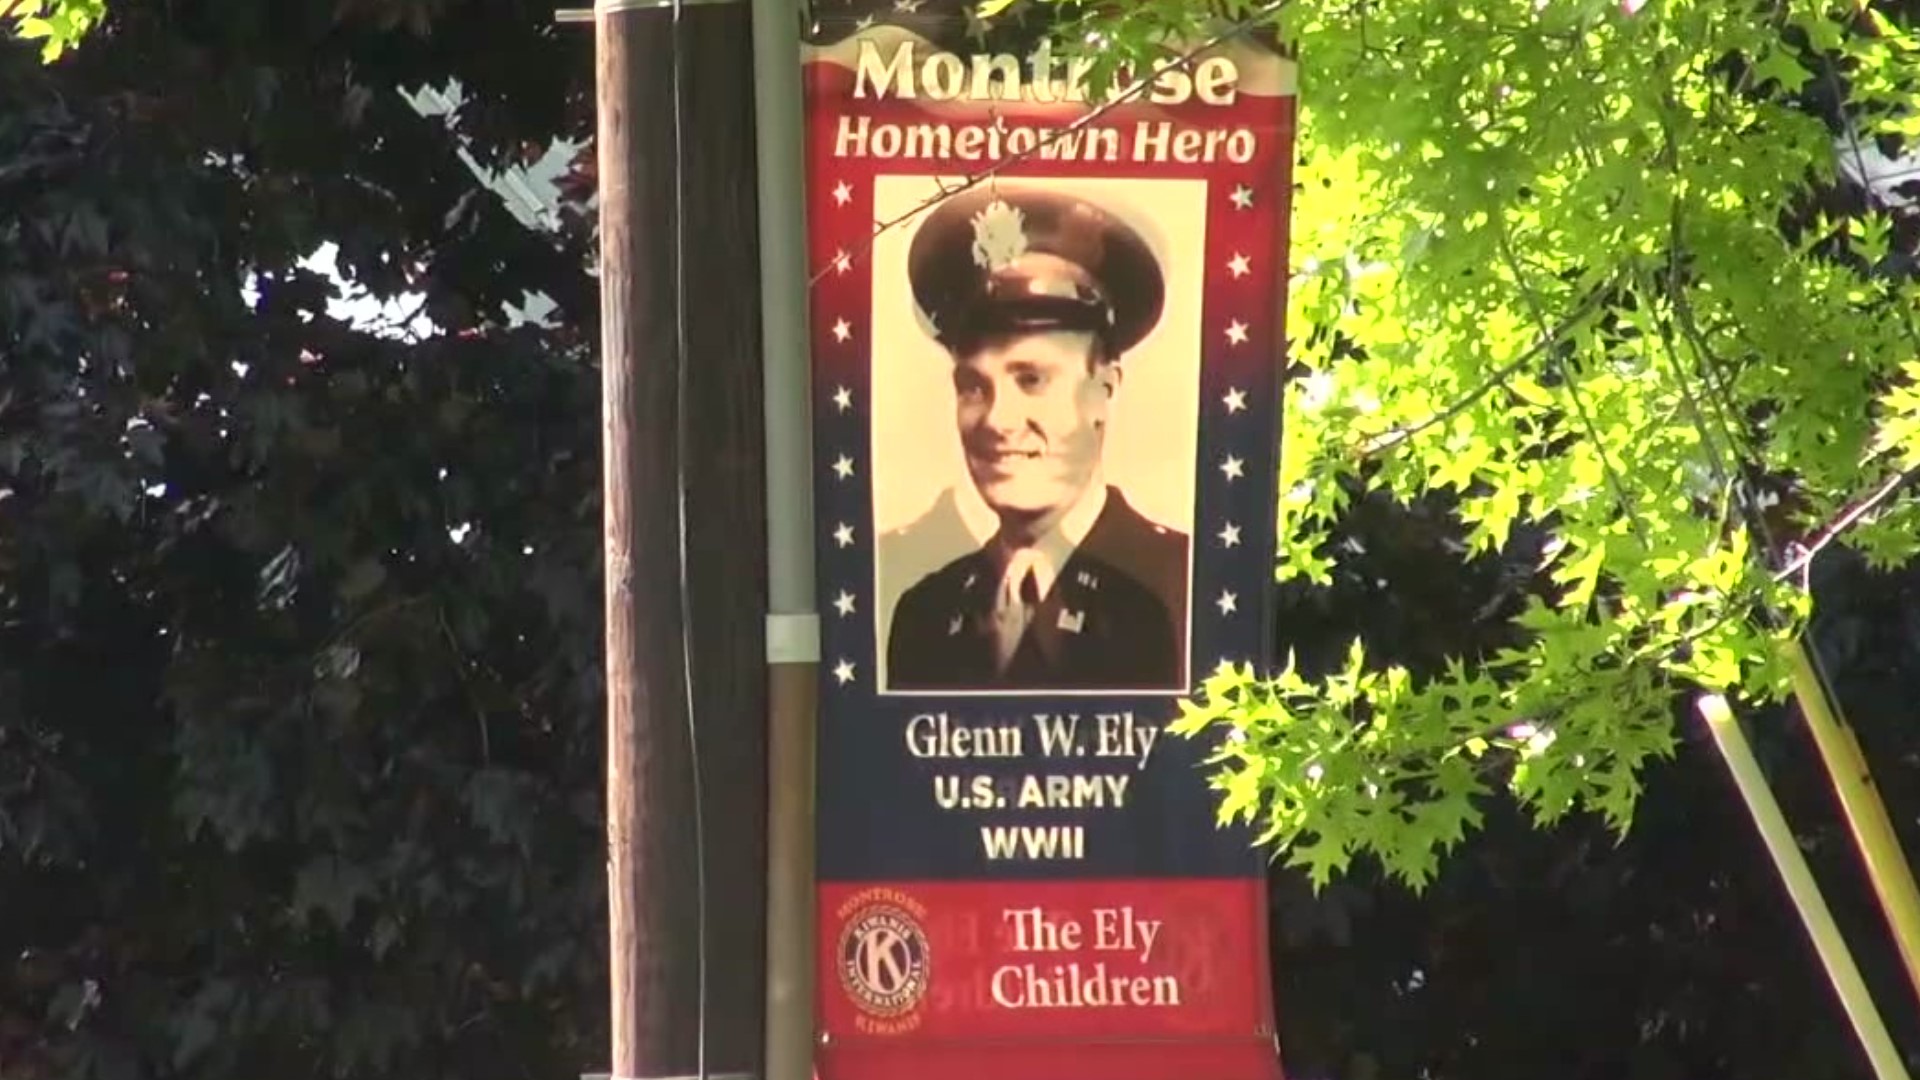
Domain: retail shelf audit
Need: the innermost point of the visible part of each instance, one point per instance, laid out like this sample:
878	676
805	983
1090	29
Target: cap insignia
999	236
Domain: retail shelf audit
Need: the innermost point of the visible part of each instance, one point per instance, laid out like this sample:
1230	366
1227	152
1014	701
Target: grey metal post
793	629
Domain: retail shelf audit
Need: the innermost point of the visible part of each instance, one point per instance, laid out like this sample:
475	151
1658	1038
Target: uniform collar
1059	543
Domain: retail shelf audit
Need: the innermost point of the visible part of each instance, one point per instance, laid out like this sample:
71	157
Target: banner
1046	347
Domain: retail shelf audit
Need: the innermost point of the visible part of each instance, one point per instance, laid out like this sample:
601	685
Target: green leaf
1782	67
1323	857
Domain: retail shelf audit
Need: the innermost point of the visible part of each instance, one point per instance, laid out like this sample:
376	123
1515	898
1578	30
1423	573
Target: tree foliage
1574	271
299	670
1671	952
57	24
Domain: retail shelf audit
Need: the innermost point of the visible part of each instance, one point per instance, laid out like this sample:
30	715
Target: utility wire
683	454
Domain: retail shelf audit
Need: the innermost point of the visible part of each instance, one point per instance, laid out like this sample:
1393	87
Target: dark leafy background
293	783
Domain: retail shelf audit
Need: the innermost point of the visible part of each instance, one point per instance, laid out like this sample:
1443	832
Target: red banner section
1108	979
1046	350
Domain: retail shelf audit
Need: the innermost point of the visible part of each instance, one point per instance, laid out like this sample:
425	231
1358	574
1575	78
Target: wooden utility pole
686	924
652	860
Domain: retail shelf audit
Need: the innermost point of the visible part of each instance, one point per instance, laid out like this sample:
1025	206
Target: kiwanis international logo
883	954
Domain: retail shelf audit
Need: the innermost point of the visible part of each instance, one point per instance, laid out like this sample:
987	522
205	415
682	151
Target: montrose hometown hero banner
1046	342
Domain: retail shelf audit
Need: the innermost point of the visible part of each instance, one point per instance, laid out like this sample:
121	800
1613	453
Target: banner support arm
1791	863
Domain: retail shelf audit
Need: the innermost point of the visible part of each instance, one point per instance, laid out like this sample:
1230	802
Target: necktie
1014	605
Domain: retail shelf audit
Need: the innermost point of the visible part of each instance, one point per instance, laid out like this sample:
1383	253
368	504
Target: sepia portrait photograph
1035	416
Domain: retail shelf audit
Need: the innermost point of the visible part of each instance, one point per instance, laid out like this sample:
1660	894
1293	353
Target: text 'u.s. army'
1091	741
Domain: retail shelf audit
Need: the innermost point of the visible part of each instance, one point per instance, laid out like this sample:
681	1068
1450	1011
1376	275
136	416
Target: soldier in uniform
1037	295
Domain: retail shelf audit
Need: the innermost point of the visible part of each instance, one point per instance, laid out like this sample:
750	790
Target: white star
843	672
843	468
1230	535
1235	400
843	603
1236	332
1228	603
842	193
842	330
842	262
865	23
906	7
1233	467
1242	197
842	398
1239	265
843	534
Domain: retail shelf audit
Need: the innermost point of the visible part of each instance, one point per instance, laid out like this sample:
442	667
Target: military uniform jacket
1115	618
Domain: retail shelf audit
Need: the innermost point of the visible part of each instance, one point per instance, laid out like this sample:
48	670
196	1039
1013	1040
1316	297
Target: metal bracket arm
609	7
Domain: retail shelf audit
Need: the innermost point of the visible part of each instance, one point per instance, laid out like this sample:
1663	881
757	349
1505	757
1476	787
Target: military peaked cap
998	258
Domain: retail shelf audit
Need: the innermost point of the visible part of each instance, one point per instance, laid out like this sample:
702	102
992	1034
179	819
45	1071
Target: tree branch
1847	520
1377	444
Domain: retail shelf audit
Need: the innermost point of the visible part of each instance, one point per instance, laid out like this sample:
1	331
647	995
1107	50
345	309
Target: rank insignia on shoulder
953	627
1072	621
1088	579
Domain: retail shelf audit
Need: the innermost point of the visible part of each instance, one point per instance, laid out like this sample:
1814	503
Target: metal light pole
793	627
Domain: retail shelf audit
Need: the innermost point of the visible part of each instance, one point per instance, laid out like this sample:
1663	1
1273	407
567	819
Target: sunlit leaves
1545	273
1899	429
57	24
